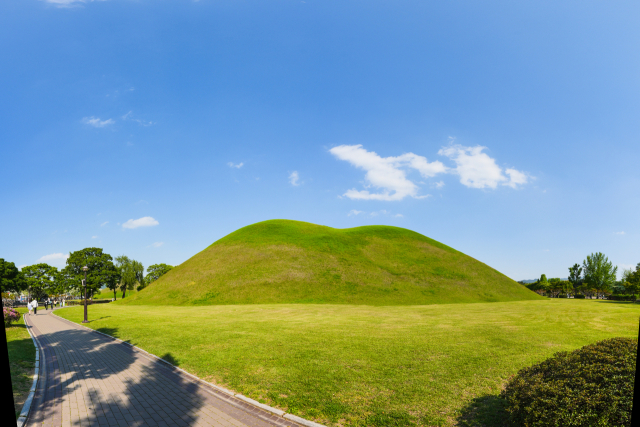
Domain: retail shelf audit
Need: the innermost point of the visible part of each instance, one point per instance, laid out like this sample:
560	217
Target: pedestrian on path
29	307
34	303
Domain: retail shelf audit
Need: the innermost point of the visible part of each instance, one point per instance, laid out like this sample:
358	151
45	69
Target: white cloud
96	122
477	170
386	173
57	259
156	244
294	178
104	223
399	216
129	116
354	212
145	221
439	184
94	237
233	165
621	233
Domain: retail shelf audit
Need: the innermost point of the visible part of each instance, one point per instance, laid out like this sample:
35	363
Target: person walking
29	307
34	303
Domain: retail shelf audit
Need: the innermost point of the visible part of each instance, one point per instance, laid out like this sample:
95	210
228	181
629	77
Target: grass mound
282	261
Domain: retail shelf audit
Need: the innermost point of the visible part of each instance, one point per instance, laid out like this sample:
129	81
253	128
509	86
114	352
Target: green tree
155	271
40	279
555	287
11	279
131	272
567	287
101	269
575	276
631	280
599	273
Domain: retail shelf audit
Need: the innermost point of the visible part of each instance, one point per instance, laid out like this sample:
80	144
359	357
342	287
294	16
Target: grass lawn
435	365
22	355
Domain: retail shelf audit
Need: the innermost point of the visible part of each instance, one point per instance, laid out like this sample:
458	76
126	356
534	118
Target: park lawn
22	356
346	365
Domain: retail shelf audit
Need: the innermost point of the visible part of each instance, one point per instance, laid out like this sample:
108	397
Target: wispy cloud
129	116
354	212
399	216
96	122
439	184
294	178
94	237
620	233
145	221
58	259
156	245
477	170
104	223
388	174
235	165
69	3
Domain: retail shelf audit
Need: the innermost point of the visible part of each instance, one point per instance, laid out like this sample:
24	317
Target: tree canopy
101	271
155	271
11	279
40	279
599	273
130	271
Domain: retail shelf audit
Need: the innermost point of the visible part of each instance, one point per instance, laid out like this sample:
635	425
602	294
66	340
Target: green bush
589	387
622	297
579	296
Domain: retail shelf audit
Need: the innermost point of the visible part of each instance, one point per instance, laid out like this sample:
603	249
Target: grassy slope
367	365
283	261
22	356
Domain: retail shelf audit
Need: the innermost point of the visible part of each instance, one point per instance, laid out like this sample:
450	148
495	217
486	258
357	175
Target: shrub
590	387
622	297
10	315
579	296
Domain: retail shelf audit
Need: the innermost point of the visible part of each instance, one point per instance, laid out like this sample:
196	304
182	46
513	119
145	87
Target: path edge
229	393
26	407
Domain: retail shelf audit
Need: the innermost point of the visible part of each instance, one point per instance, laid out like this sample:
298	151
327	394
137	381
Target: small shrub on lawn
10	315
590	387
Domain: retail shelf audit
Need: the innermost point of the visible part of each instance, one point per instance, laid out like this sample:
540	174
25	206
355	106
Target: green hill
282	261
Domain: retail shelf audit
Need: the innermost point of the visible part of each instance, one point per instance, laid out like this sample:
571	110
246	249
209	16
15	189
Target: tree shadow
484	411
100	381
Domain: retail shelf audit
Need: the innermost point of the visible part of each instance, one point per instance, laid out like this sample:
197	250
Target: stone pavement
90	380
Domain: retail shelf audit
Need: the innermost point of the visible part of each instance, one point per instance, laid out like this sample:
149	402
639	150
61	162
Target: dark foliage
589	387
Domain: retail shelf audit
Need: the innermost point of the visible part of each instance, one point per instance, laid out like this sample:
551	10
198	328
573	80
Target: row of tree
597	276
40	280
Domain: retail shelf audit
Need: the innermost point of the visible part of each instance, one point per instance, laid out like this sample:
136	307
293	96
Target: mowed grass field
22	354
354	365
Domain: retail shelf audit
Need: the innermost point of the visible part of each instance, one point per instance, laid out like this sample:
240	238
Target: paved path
90	380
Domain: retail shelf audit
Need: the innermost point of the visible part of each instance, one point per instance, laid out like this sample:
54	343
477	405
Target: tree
155	271
555	287
632	280
131	272
599	273
567	287
541	286
101	269
40	279
575	276
11	279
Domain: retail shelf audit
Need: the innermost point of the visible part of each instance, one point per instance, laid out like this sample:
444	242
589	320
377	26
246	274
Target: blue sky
507	130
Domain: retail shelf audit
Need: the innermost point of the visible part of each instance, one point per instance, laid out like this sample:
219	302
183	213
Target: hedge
589	387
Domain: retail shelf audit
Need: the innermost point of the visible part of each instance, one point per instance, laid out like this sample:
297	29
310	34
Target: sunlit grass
363	365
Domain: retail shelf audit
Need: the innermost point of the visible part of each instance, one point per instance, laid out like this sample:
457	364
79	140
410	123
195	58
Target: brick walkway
90	380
